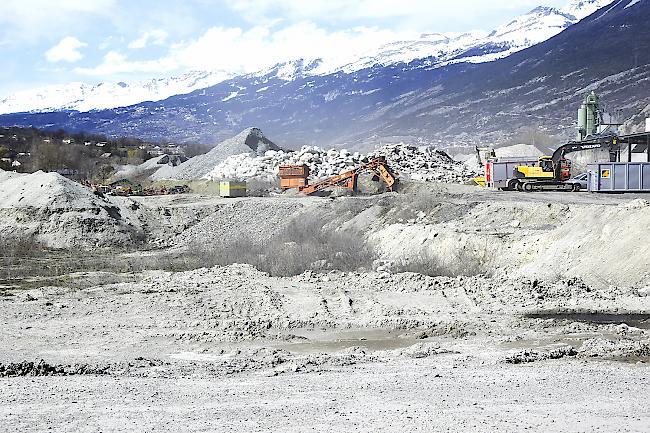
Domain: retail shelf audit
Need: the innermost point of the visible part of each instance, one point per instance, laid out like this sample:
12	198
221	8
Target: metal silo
589	116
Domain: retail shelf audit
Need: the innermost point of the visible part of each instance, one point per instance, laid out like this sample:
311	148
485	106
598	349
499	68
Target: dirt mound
149	166
59	213
42	189
518	150
250	141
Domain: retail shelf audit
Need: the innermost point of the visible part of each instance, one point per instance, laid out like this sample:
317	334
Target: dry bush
299	247
261	187
463	262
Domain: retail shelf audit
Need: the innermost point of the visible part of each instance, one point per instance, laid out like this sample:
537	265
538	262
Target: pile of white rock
408	162
423	163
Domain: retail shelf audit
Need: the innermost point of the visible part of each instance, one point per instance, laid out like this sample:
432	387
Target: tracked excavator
348	179
552	172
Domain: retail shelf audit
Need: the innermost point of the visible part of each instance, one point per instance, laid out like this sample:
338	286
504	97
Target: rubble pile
408	162
423	163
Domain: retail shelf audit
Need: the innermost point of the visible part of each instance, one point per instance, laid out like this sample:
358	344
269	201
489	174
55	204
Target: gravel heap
250	141
59	213
44	190
149	166
408	162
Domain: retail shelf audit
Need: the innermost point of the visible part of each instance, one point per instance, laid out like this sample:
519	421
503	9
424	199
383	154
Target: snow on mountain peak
583	8
85	97
536	26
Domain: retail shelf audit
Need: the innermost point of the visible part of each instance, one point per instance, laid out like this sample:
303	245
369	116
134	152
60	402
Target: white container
647	124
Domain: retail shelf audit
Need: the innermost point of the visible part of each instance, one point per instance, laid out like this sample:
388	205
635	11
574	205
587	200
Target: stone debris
42	368
531	355
408	162
615	349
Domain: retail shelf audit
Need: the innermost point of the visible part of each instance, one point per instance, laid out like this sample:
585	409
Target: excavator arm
385	174
610	142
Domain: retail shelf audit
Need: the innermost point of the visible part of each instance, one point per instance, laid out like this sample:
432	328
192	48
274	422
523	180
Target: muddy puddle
637	320
331	342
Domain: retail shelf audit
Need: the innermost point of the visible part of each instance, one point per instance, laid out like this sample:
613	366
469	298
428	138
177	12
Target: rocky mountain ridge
529	29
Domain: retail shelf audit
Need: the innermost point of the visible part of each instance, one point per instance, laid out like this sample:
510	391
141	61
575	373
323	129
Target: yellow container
229	188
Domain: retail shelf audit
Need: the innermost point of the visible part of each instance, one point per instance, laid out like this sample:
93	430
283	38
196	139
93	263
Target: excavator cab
546	164
546	169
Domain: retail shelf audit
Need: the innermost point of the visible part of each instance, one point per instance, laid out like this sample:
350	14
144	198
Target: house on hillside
156	151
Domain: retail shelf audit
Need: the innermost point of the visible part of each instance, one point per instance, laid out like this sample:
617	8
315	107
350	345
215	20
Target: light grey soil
430	395
552	335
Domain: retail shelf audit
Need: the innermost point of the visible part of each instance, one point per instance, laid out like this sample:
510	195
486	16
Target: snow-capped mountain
421	102
538	25
86	97
583	8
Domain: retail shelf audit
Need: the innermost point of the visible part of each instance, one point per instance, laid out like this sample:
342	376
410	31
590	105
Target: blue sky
46	42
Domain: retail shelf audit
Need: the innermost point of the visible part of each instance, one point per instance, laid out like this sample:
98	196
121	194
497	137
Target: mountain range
536	26
460	95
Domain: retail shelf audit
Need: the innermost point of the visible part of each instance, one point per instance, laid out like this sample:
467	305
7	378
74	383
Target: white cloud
235	50
67	50
117	63
153	37
260	47
403	14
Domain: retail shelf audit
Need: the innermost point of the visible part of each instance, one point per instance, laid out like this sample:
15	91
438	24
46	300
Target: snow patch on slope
439	49
85	97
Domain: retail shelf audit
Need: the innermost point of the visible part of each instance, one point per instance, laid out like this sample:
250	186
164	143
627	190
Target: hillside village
79	156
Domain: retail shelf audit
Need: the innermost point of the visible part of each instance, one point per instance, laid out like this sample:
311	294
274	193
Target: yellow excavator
552	172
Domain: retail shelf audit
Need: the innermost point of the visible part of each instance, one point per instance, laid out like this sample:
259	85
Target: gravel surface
431	395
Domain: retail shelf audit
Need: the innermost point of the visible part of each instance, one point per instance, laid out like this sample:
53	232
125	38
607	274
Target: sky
44	42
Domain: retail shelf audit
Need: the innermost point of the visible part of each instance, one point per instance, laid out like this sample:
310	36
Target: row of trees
81	157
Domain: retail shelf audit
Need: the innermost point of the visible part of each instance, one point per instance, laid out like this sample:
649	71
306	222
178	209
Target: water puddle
637	320
335	341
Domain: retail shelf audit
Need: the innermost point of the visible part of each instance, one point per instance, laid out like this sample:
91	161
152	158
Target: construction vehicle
348	179
550	172
480	180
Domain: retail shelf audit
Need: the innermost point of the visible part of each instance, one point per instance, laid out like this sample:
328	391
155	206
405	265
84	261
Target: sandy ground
432	395
234	349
